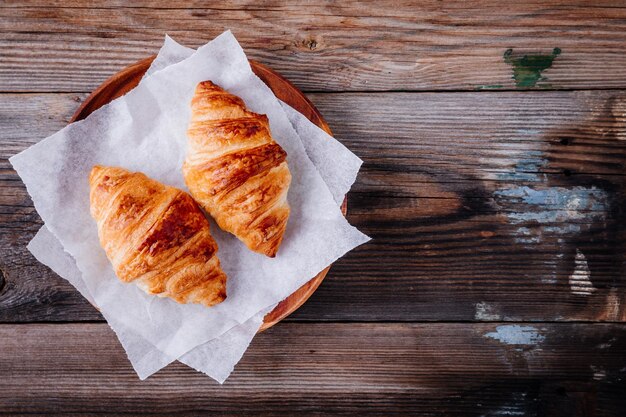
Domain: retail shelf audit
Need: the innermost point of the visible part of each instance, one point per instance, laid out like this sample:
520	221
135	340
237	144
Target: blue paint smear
568	228
528	236
575	198
533	162
516	335
528	132
541	211
527	240
518	176
552	209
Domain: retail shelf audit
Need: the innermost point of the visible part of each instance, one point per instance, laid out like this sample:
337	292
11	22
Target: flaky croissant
156	237
235	170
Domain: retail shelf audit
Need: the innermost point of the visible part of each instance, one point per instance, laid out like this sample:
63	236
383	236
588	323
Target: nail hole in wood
567	172
565	141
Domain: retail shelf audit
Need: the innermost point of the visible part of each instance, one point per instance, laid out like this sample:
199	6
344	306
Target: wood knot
308	43
311	44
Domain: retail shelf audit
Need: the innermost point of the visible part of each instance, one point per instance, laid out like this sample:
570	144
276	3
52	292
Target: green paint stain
527	69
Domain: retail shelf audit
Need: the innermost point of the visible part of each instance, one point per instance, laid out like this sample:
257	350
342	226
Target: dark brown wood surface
370	45
331	369
495	281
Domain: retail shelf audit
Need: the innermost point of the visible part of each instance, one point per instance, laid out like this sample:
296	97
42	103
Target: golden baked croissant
156	236
235	170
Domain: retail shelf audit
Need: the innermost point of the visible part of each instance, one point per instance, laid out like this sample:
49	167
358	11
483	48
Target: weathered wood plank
330	369
493	189
469	197
400	45
270	6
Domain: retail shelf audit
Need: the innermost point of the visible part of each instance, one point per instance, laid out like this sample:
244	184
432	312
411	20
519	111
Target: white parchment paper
145	131
217	357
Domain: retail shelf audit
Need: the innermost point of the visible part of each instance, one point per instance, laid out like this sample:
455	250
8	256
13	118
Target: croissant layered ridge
235	170
156	237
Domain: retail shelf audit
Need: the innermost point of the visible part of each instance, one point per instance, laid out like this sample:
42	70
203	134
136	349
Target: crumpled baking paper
102	133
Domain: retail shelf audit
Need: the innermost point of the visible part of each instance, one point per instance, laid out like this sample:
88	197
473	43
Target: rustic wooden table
494	140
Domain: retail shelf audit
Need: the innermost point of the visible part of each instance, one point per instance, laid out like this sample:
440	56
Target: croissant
235	170
156	237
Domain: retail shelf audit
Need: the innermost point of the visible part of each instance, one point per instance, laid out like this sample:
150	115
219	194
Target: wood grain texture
328	46
470	197
330	369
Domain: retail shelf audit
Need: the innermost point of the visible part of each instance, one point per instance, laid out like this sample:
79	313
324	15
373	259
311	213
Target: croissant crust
156	237
235	170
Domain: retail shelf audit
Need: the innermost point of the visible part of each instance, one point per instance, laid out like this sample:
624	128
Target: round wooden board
128	78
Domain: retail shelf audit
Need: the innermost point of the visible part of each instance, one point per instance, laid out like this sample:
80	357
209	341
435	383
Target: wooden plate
125	80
